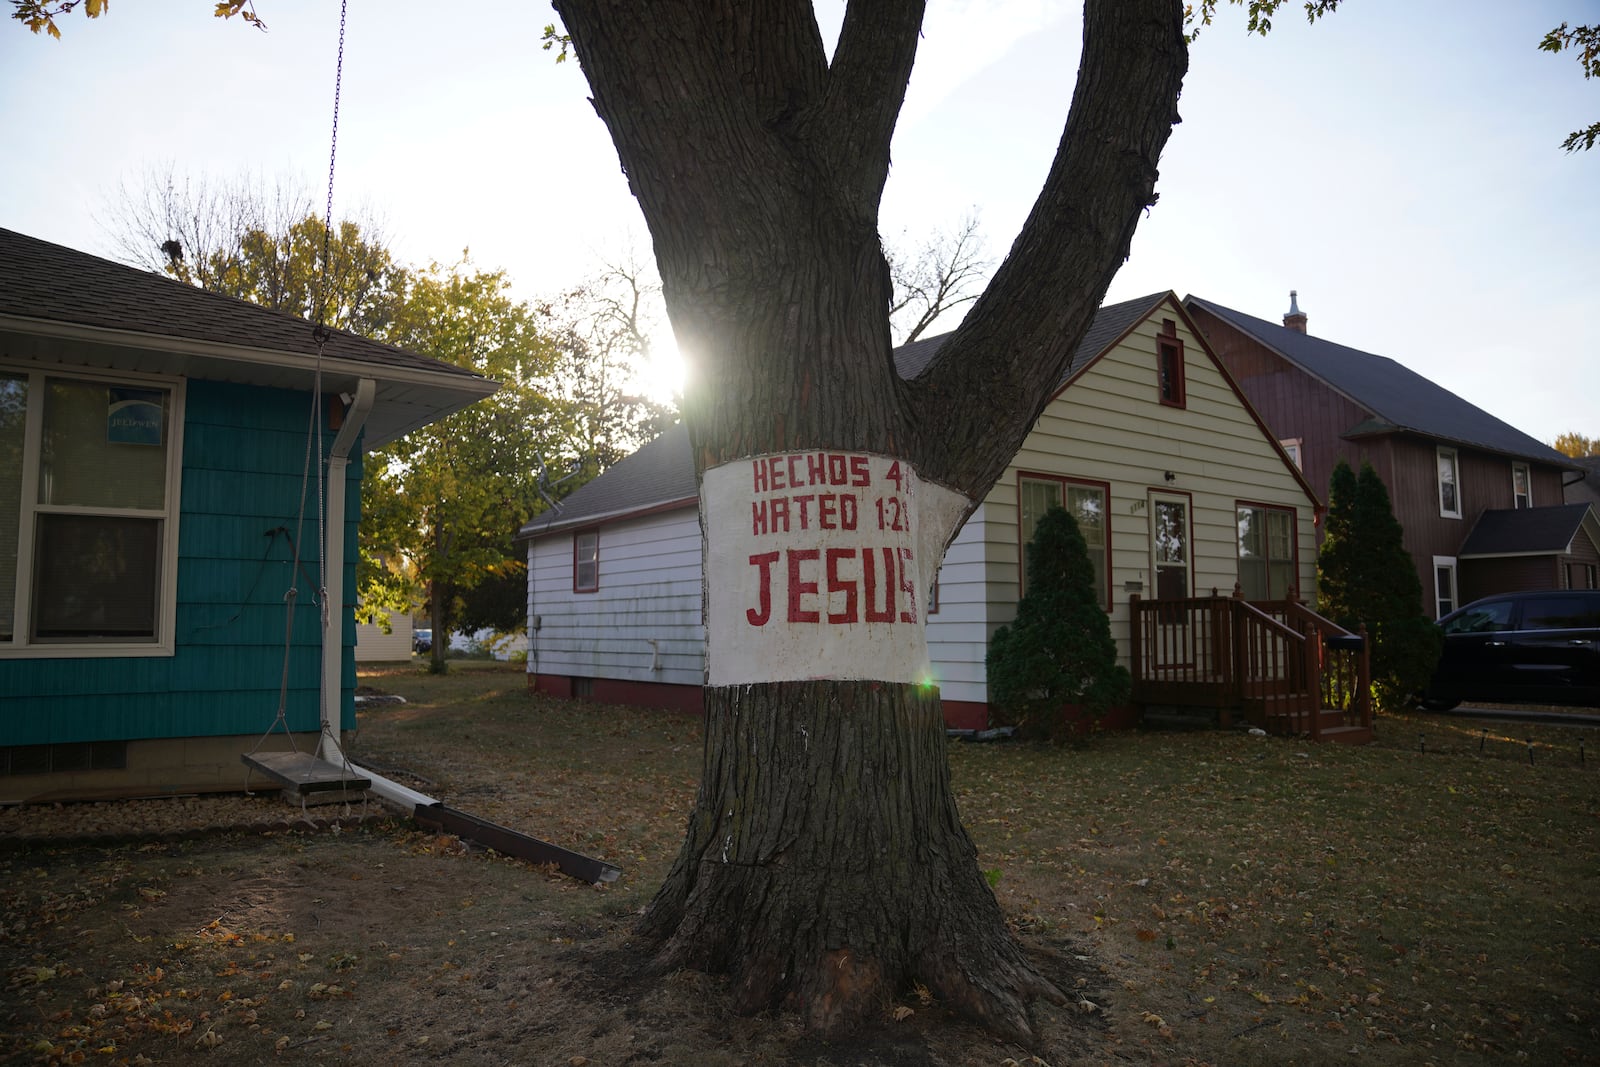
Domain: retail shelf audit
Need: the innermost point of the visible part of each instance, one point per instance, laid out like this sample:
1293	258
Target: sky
1399	165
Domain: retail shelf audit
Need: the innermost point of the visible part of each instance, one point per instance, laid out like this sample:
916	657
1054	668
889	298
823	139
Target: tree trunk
439	594
825	865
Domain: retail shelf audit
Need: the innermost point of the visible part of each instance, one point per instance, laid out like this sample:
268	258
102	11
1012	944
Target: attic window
1521	486
1169	366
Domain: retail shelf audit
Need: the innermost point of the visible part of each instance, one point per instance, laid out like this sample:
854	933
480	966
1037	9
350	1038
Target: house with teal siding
169	461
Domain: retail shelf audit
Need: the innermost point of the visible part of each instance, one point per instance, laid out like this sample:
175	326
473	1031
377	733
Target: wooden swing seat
302	773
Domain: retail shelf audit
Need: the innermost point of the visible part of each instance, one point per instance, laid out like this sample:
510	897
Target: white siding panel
958	633
649	591
375	646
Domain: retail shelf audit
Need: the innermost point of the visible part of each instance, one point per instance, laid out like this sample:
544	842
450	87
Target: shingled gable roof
1529	531
1398	399
661	474
73	309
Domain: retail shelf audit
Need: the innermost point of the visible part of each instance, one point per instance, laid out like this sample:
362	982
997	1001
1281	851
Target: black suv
1521	648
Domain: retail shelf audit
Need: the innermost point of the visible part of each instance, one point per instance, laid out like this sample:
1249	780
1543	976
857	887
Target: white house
1178	487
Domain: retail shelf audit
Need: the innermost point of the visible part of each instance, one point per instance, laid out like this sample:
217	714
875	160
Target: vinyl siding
649	588
375	646
243	449
1108	426
958	635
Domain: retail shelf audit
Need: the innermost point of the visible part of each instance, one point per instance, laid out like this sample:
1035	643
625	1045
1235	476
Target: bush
1366	577
1058	652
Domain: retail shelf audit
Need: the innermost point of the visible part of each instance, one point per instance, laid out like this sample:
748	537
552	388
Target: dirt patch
386	945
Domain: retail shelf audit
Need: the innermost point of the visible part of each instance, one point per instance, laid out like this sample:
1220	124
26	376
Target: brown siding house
1481	502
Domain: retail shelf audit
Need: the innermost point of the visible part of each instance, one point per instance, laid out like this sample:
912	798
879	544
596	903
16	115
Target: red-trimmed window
1085	501
1266	551
1169	366
586	561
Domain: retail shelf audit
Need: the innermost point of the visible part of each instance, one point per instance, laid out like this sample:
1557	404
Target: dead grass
1210	898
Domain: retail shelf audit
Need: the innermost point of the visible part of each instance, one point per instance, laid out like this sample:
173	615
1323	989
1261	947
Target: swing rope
321	334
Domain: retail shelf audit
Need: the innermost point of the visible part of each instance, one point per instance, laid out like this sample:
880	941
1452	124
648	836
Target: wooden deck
1276	664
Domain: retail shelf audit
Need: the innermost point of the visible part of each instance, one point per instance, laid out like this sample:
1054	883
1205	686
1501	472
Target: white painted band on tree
818	565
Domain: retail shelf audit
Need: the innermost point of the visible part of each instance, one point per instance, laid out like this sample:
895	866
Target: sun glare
661	376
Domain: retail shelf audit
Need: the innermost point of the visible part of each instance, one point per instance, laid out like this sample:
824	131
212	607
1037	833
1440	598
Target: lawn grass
1426	899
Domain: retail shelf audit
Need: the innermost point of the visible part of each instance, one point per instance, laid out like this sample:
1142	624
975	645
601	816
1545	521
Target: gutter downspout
333	554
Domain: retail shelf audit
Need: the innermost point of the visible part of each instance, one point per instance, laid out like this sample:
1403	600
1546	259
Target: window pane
1266	553
1038	497
1087	504
1280	547
1171	533
104	446
1250	546
586	557
1445	586
1485	618
13	416
96	577
1560	613
1447	482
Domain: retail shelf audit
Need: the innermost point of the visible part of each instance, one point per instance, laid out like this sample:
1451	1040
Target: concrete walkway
1577	717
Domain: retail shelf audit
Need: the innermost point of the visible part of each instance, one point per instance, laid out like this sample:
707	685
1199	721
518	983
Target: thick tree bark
825	864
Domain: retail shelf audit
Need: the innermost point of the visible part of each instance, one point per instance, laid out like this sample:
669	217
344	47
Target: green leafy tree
448	498
1058	651
1585	40
1365	577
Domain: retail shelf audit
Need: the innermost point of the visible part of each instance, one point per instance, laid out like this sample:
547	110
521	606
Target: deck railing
1272	658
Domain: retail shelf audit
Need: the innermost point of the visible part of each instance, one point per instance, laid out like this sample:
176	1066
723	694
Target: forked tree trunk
825	866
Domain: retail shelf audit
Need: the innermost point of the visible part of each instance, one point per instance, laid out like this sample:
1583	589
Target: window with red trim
1169	366
1266	552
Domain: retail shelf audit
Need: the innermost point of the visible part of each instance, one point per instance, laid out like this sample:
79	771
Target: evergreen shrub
1058	652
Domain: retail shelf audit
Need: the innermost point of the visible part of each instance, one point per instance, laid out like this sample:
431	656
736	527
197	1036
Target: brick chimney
1295	319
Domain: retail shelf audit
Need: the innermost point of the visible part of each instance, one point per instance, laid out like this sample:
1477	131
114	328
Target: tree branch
866	88
1022	331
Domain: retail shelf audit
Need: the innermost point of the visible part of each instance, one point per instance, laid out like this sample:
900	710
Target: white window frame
1445	563
582	559
1523	498
21	645
1455	481
1291	448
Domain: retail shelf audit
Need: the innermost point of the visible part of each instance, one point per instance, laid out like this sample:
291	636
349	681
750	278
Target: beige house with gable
1179	490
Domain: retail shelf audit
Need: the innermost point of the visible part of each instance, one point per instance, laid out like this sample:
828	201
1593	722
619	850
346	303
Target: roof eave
581	522
448	389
